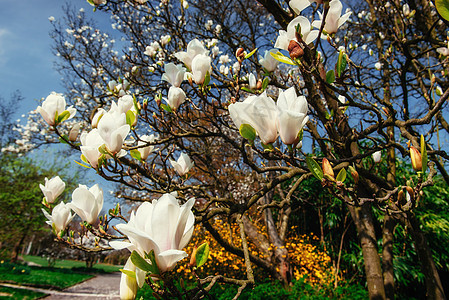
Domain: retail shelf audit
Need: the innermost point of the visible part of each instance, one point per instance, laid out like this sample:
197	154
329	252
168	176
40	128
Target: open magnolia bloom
53	106
176	96
162	226
201	64
145	151
268	61
334	19
194	48
60	217
308	35
292	115
183	164
260	112
52	188
299	5
90	142
113	130
174	74
87	203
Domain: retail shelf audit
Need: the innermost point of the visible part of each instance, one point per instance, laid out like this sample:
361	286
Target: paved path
102	287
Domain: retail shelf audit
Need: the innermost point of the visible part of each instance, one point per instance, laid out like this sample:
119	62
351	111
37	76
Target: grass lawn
61	263
57	278
10	293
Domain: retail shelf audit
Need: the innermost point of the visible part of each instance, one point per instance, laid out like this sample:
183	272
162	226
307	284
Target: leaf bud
354	174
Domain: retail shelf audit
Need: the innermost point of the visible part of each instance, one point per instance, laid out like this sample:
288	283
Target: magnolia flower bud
295	50
415	155
377	156
73	134
410	192
327	169
259	84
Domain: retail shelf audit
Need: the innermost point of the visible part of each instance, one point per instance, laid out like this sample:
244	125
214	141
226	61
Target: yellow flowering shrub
305	258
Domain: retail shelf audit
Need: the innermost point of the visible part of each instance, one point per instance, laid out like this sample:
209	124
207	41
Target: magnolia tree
235	104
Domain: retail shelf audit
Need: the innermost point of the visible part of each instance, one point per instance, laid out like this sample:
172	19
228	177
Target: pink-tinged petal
119	245
167	260
164	220
184	215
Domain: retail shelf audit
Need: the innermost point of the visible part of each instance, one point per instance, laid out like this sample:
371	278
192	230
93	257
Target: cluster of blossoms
284	118
87	203
161	226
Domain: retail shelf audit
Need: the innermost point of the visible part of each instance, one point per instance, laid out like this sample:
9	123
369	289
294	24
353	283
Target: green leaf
265	83
250	54
129	273
130	118
341	63
247	132
300	135
141	263
135	154
82	165
151	256
207	79
315	168
166	108
282	58
246	89
443	8
330	76
103	150
202	254
62	117
424	157
341	176
63	139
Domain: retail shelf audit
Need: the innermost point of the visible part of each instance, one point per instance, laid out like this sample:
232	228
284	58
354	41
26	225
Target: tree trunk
387	255
433	283
365	228
16	248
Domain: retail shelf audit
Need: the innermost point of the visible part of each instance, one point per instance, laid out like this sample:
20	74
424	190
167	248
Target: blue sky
26	61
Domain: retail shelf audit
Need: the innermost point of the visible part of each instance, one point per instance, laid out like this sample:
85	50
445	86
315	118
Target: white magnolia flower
268	61
201	65
194	48
183	164
292	115
224	59
53	106
378	66
377	156
52	188
406	9
260	112
87	203
308	35
113	130
128	284
100	112
174	74
299	5
444	50
176	96
145	151
162	226
90	142
165	39
252	81
60	217
334	19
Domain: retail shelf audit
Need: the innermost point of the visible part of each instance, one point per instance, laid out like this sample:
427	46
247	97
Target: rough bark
432	279
365	228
